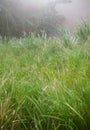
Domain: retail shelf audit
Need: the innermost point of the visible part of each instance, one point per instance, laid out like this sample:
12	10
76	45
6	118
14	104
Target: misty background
74	12
37	16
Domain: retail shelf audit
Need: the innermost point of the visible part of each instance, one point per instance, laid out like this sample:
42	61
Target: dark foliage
15	20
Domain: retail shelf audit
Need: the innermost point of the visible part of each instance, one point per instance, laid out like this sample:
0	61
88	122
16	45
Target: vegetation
83	31
16	18
44	84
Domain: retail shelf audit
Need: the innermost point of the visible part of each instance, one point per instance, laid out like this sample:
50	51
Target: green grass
44	85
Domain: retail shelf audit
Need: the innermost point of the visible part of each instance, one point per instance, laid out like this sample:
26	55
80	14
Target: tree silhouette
14	20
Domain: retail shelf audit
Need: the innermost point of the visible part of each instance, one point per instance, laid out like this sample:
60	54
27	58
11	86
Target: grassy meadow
45	84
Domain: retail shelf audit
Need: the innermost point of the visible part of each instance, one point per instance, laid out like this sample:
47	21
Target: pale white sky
35	1
39	3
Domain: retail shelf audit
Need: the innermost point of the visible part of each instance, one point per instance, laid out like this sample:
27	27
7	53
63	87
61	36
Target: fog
73	12
36	16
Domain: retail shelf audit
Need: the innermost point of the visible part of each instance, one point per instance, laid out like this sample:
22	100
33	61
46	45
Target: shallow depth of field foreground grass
44	85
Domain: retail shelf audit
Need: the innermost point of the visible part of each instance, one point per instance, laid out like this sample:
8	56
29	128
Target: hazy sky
75	11
39	1
35	1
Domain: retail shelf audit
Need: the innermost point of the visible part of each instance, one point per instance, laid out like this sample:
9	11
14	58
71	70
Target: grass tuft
44	84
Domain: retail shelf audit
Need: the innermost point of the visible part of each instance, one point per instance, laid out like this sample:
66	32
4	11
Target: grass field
45	84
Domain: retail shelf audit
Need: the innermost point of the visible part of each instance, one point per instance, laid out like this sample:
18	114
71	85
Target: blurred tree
51	21
14	20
